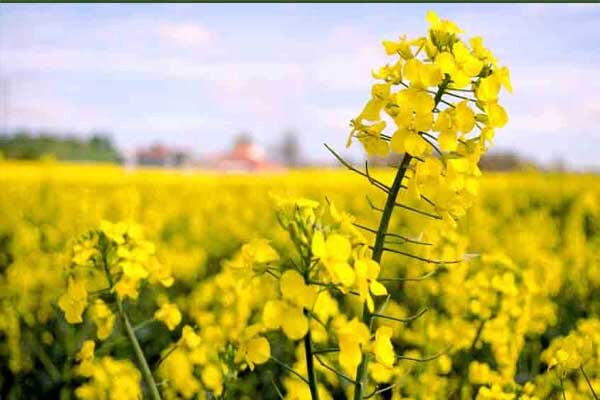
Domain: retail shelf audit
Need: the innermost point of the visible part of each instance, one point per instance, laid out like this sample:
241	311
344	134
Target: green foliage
24	145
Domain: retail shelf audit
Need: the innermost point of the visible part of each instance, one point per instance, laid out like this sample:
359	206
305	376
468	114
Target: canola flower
412	96
115	260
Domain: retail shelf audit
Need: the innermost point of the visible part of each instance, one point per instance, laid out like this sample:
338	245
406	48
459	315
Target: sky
196	75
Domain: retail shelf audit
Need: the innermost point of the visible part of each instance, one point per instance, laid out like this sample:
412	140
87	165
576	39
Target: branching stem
378	249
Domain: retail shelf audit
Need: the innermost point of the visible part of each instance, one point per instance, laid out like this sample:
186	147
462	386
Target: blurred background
262	87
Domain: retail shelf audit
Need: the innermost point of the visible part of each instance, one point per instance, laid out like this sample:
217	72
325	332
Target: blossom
213	378
103	318
334	253
74	301
383	348
190	338
351	337
169	314
367	272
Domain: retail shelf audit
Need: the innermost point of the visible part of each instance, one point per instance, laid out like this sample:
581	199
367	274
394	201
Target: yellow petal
318	245
295	323
259	350
273	314
378	289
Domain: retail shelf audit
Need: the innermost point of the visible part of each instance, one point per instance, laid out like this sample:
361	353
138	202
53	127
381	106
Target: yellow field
495	320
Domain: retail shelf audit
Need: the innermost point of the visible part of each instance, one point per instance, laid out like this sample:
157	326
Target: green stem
308	350
378	248
587	380
310	367
43	357
146	372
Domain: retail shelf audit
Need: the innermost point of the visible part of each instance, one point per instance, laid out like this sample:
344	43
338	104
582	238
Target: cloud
544	121
185	34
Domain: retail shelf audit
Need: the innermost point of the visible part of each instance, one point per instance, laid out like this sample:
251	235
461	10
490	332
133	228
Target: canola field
518	317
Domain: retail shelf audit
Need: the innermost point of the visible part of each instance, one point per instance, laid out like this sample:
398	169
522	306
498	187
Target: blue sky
195	75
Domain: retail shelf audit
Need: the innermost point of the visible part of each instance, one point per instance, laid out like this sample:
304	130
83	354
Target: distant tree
25	145
290	150
505	161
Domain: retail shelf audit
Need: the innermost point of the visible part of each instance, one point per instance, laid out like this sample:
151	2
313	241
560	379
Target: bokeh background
195	78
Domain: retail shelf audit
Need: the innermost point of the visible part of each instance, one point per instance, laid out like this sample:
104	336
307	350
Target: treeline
24	145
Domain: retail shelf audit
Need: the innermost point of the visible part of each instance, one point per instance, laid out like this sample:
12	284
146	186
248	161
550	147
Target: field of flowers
418	281
533	291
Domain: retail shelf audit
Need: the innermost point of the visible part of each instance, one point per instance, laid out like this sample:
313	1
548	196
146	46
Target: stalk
308	350
361	372
310	367
587	380
146	372
378	247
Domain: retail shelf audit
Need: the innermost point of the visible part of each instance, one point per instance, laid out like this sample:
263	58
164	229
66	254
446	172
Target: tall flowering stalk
444	111
110	264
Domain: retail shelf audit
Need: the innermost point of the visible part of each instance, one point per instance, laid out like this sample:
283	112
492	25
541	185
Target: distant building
161	156
245	156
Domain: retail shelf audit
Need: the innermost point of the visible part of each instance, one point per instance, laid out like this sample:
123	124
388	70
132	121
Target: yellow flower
190	338
133	269
74	301
480	51
169	314
451	121
367	272
461	65
115	232
497	116
85	357
441	25
415	116
213	378
370	137
351	337
178	370
380	93
119	378
401	47
159	273
389	73
256	350
127	287
103	318
334	254
83	251
87	351
444	364
259	251
422	75
383	349
294	289
290	318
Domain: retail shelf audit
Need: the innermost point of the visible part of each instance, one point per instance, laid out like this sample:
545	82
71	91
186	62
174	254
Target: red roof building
244	157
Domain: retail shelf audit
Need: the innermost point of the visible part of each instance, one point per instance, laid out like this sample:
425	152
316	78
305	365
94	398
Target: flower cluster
116	259
108	378
441	94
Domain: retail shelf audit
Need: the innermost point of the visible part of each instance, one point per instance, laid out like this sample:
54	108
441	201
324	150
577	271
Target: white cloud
544	121
185	34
